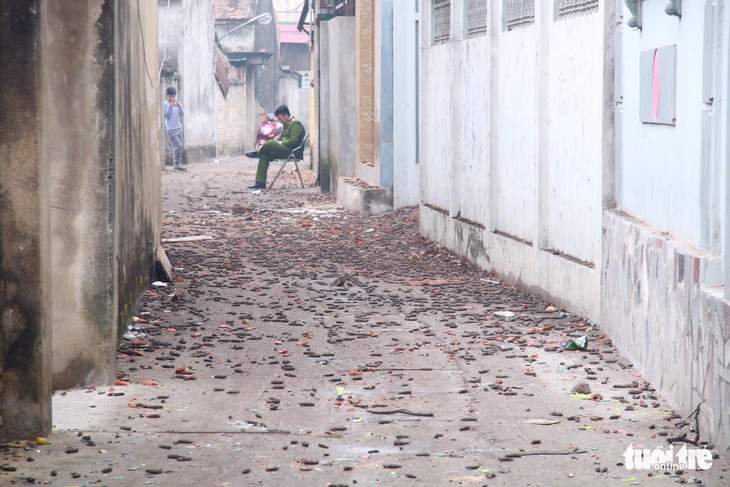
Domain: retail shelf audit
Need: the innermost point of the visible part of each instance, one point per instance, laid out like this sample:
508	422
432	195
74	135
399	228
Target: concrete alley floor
307	346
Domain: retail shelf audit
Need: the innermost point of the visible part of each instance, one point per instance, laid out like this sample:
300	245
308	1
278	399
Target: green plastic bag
577	344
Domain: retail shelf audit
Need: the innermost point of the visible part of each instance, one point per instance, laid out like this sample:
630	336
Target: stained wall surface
338	127
25	230
104	177
79	195
79	86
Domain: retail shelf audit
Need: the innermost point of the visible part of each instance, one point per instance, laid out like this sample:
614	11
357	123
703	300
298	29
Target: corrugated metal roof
233	9
288	33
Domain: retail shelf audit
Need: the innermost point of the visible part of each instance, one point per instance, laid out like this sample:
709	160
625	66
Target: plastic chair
294	160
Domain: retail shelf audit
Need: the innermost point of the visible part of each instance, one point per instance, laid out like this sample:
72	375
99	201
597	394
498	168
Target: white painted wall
405	110
512	134
470	116
661	293
573	127
516	96
526	150
197	78
660	171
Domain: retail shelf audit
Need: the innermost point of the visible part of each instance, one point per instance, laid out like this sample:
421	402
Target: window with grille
441	21
476	18
574	8
518	13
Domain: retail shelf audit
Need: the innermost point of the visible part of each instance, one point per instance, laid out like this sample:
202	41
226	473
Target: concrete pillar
76	46
365	79
323	91
25	300
385	154
137	178
405	104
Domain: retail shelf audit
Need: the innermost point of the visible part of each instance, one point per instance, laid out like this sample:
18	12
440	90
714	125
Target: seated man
291	138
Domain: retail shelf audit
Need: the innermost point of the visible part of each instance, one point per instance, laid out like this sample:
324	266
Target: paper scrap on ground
187	239
542	422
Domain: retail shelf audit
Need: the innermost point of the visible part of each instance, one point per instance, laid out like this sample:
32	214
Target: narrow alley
305	345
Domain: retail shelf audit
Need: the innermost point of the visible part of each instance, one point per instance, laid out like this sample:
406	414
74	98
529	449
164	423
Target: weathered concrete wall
674	329
266	77
511	147
197	80
25	258
296	56
79	194
242	40
137	183
78	86
289	93
385	74
91	183
314	108
189	42
304	112
320	126
295	98
170	32
535	154
339	123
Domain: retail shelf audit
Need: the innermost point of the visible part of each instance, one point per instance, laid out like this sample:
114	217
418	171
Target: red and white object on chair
269	129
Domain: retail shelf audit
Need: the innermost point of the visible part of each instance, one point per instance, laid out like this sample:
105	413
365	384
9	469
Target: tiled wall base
658	313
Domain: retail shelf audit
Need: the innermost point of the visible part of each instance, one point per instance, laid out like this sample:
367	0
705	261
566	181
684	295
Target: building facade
234	101
577	148
187	54
666	251
355	97
251	51
80	203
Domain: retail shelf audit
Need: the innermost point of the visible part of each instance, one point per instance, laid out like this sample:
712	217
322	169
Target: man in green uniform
291	138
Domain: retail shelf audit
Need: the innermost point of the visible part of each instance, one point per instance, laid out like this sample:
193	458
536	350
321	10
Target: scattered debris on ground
344	351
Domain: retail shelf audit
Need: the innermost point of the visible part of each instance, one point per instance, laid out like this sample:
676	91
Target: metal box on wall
658	92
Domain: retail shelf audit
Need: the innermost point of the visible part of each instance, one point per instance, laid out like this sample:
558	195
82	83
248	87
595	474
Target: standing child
173	113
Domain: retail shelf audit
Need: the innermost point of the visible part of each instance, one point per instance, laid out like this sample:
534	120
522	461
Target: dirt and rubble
300	344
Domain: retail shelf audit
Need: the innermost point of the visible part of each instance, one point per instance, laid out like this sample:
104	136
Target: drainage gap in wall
512	237
574	260
470	222
436	208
